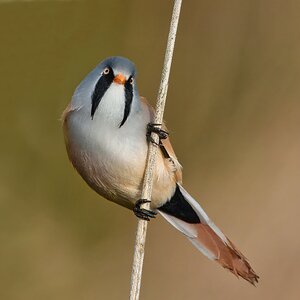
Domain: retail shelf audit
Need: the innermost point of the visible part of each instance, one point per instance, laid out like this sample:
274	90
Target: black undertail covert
180	208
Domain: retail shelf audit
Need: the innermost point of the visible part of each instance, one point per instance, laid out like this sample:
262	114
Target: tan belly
120	181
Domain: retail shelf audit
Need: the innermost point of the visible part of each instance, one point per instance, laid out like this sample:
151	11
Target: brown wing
177	168
172	164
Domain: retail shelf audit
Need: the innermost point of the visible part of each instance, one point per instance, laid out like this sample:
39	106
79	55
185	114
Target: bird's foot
143	213
155	128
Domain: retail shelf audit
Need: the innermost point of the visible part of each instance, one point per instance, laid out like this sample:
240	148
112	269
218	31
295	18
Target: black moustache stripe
128	100
101	87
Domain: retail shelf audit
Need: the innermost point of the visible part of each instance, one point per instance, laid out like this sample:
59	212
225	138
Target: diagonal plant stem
139	249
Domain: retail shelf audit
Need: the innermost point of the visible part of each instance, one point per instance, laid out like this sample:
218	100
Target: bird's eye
106	71
131	80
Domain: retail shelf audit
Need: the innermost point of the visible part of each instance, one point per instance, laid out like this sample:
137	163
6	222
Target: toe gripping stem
143	213
162	134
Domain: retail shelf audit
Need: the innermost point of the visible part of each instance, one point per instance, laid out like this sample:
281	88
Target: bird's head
111	82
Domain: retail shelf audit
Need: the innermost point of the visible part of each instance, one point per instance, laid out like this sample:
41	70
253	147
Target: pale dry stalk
139	249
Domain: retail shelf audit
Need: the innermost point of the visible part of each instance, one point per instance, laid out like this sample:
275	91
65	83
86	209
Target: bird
107	130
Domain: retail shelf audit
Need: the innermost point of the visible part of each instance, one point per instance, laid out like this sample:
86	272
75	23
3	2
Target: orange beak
120	79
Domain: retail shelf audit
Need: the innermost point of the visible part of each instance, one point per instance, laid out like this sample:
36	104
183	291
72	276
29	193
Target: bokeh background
233	110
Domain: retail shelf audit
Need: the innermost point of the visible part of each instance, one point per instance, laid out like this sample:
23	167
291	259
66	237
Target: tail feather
207	237
226	253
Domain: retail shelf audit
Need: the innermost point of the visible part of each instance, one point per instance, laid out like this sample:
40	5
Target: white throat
112	105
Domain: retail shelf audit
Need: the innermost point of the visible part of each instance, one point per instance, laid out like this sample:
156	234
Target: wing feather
172	164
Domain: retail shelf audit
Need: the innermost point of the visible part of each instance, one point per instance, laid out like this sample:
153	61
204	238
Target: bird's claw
143	213
155	128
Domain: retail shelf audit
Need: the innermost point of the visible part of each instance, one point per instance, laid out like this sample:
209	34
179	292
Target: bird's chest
113	156
123	152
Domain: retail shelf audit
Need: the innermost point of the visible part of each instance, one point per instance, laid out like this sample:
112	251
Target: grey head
112	73
119	64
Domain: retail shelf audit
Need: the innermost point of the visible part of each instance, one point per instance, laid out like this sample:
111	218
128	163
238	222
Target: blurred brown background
234	114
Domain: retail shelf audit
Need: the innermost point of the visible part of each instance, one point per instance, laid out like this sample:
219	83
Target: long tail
185	213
